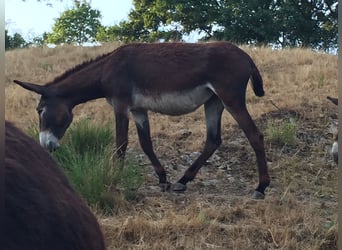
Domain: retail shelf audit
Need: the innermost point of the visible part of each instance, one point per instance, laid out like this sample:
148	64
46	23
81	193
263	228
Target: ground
217	212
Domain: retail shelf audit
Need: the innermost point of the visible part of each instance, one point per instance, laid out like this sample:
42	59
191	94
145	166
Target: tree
308	23
150	21
248	22
15	41
277	22
7	40
77	25
38	40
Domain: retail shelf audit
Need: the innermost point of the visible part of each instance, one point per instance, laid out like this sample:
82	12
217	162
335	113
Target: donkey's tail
256	79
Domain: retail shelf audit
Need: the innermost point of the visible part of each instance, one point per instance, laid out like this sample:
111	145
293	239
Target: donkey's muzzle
52	147
48	140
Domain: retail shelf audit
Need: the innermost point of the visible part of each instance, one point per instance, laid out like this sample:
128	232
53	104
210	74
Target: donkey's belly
172	103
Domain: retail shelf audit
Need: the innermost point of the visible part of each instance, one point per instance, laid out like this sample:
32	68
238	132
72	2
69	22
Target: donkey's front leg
143	128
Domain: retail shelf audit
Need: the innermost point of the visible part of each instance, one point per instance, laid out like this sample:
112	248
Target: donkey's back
177	78
175	66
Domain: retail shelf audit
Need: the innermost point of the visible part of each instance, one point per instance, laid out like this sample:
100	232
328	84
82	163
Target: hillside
216	212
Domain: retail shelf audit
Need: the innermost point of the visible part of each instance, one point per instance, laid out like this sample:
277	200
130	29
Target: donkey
42	210
334	148
169	78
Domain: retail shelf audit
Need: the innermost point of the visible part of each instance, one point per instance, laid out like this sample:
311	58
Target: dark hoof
178	187
165	186
258	195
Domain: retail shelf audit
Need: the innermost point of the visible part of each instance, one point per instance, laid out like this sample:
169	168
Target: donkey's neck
80	90
81	84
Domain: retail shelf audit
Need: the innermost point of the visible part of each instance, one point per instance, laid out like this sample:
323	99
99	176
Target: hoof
178	187
258	195
165	186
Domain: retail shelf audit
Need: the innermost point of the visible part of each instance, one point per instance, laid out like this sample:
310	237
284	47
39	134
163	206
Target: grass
86	155
282	131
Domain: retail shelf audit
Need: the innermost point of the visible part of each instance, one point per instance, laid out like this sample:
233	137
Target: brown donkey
42	210
169	78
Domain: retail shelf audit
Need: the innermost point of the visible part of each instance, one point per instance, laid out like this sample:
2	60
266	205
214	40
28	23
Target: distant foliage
77	25
14	42
38	40
280	23
290	23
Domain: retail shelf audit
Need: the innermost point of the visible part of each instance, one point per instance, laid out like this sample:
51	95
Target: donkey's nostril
52	146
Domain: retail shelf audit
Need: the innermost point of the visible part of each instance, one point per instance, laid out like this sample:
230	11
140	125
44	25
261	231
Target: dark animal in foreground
42	210
334	148
169	78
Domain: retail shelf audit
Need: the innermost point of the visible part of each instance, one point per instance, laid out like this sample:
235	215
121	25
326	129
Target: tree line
282	23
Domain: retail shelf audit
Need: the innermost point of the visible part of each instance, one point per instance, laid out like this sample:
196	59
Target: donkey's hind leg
213	111
121	124
240	113
143	128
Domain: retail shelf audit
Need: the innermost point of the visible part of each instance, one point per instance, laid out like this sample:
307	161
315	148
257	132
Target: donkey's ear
333	100
42	90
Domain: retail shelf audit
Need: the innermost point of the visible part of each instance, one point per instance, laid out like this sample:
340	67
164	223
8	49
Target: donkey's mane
77	68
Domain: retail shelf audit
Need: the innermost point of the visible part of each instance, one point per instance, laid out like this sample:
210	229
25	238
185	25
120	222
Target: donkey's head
55	115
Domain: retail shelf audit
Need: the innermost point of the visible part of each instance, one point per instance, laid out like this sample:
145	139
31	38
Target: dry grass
241	224
216	212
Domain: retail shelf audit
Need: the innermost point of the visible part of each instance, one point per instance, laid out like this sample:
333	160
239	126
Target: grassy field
216	212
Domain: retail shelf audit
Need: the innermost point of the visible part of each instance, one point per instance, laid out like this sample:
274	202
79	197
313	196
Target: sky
31	18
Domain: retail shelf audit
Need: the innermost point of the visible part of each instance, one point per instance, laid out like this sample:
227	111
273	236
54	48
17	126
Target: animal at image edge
334	148
42	211
168	78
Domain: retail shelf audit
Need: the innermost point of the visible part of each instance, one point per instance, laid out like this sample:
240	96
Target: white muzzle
48	140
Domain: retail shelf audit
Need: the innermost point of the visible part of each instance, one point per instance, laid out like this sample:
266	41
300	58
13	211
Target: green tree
283	22
77	25
249	22
7	40
15	41
308	23
38	40
150	21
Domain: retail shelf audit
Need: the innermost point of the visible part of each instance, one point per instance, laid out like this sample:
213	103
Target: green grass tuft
86	155
282	132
